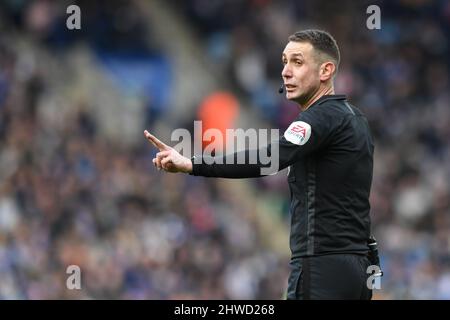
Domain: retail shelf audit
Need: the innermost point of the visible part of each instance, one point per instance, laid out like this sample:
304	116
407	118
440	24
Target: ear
327	70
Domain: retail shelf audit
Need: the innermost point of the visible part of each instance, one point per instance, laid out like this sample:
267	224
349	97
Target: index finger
155	141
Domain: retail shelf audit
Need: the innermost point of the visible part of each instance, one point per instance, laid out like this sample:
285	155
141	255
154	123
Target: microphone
281	89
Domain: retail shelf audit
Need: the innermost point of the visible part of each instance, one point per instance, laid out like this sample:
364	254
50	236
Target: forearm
218	166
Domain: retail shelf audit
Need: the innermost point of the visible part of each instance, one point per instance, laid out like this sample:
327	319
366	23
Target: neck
316	96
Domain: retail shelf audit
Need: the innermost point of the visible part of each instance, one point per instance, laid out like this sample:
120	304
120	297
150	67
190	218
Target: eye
298	62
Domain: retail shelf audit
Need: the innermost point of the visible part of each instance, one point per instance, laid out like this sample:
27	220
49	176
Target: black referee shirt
329	151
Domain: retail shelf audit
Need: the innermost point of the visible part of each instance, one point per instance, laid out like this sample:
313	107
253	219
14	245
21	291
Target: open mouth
290	87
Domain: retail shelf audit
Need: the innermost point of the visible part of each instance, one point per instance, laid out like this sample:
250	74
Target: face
300	72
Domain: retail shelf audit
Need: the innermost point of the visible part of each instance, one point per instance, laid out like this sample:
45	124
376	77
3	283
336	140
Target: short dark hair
321	41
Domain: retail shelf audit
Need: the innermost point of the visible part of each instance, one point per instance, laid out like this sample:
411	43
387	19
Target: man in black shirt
329	152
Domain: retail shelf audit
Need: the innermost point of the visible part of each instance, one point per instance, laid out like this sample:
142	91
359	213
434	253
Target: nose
286	73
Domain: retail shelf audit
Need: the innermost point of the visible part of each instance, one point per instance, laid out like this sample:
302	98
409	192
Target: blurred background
77	185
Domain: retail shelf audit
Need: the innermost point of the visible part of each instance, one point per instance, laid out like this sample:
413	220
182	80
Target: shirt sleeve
309	132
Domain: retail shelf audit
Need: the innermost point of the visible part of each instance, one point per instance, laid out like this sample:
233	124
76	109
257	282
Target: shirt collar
326	97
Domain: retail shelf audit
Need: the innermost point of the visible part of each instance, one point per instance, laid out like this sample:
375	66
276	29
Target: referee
329	152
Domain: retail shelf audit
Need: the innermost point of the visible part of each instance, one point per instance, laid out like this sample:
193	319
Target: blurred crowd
71	196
